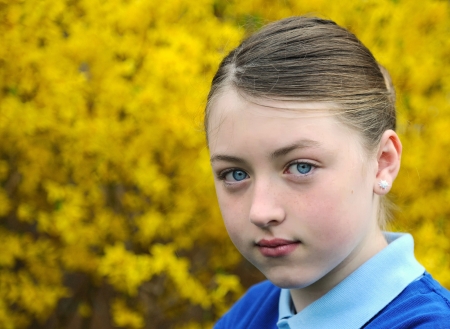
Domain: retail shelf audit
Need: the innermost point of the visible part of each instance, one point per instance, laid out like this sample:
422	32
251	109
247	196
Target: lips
276	247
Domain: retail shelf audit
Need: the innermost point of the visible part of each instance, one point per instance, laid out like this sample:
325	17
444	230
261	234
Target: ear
388	161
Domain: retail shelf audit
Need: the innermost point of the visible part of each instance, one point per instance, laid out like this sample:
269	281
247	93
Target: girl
300	123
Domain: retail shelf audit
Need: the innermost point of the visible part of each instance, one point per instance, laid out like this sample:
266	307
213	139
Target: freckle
352	191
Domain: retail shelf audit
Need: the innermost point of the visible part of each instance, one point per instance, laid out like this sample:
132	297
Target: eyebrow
227	158
305	143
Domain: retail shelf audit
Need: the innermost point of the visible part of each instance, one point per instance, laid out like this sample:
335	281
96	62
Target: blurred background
108	216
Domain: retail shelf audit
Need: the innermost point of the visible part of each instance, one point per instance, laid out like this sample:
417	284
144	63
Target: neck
363	252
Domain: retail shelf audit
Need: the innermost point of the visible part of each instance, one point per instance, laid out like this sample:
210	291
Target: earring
383	184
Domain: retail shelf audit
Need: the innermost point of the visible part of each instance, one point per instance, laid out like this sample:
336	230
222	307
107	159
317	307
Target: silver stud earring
383	184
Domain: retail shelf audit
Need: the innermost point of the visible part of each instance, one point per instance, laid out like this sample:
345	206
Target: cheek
330	214
233	214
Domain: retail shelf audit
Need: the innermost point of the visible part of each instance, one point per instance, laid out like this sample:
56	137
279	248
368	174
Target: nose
265	208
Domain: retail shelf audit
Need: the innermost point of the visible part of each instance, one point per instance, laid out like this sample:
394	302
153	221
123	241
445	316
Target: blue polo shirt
391	290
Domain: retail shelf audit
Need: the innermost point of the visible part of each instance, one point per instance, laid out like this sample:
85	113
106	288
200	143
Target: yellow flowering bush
108	214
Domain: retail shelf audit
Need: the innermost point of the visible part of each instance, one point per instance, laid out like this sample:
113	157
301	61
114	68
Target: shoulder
258	308
423	304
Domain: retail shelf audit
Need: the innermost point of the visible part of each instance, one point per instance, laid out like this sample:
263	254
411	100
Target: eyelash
297	162
222	175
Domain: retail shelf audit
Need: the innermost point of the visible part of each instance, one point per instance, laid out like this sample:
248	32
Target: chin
290	284
289	281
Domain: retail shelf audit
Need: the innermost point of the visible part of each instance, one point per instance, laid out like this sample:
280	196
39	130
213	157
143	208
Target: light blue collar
361	295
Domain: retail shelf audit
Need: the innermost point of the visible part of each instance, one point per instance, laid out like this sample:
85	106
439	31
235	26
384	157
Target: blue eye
239	175
235	175
300	168
303	168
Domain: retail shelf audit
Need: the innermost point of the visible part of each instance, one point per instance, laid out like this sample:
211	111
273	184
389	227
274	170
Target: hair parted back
311	59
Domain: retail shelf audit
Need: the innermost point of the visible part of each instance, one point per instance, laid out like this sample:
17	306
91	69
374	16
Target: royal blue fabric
257	309
424	304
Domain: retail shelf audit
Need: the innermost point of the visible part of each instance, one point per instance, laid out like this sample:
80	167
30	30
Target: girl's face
296	190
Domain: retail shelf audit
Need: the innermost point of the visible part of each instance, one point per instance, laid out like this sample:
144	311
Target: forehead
230	100
234	118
